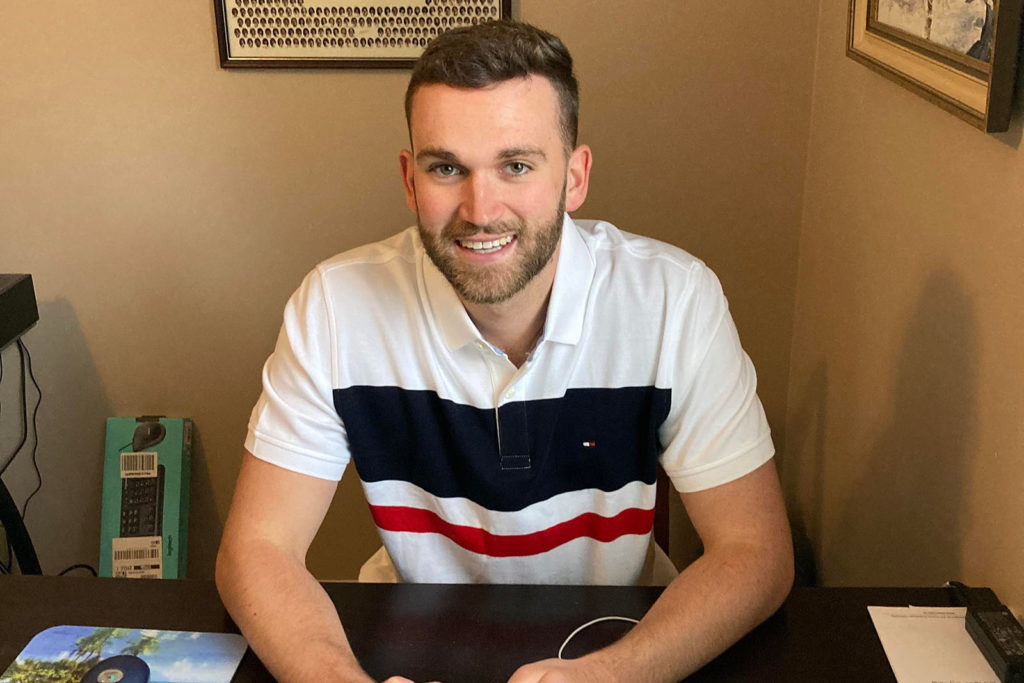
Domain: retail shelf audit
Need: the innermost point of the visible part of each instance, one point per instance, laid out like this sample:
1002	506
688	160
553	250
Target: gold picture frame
975	83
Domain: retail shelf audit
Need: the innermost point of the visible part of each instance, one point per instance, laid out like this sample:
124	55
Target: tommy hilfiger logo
589	444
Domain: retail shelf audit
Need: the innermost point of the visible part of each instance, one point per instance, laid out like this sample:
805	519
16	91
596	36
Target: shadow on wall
903	520
64	517
1012	137
204	524
802	471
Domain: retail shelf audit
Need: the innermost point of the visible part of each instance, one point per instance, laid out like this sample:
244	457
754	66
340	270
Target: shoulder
381	259
367	275
643	261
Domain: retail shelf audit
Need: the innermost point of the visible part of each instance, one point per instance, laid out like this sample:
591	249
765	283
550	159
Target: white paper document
930	645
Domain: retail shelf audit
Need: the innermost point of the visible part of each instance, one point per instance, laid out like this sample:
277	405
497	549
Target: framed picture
960	54
336	34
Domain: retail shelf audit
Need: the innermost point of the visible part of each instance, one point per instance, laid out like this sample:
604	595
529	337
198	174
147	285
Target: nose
480	202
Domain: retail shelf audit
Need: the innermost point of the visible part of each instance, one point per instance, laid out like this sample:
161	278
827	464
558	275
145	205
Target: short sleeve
294	423
716	430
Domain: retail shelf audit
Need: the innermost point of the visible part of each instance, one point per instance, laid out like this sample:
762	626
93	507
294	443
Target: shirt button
510	393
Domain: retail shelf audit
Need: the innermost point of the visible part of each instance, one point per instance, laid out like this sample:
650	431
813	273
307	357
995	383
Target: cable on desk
26	364
24	417
78	566
35	428
591	623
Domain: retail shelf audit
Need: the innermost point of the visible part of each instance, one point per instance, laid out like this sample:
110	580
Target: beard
535	244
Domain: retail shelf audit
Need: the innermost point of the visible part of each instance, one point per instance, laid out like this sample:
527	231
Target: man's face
489	179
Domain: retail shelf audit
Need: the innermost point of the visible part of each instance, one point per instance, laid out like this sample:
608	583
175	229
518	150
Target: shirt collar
566	309
451	317
571	289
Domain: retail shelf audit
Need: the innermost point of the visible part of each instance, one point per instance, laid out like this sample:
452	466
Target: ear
577	177
408	167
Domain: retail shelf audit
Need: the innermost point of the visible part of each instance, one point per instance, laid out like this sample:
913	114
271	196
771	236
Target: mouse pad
74	654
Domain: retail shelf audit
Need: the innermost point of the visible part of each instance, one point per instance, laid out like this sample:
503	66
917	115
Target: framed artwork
337	34
959	54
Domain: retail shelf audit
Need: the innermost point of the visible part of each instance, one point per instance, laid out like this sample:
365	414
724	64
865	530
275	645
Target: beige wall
167	207
905	450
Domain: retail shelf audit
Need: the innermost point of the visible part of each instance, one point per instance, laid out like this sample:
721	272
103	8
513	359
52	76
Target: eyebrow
511	153
522	152
435	153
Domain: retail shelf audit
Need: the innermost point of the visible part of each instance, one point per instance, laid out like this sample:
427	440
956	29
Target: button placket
510	418
514	441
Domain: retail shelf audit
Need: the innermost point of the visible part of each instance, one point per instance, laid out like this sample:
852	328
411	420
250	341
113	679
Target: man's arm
283	612
743	576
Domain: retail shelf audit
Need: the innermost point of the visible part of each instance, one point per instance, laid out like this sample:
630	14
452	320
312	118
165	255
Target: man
505	381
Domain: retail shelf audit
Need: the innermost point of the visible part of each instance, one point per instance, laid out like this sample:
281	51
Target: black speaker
18	310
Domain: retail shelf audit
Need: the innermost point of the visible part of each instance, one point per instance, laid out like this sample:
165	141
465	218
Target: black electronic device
17	534
18	311
1000	638
995	631
142	505
118	669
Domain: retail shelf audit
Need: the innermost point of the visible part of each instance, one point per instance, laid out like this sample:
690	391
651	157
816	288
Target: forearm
285	615
707	608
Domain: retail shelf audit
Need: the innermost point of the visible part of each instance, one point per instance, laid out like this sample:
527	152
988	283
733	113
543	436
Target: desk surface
457	633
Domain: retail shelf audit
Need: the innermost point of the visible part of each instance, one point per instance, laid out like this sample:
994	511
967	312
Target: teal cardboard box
146	471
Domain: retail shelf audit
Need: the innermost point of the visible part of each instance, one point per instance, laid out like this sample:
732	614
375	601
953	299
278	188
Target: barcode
138	557
137	554
138	465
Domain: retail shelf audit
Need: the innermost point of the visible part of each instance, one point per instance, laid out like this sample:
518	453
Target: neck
515	325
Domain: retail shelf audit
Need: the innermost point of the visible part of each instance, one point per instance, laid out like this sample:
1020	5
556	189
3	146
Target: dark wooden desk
477	634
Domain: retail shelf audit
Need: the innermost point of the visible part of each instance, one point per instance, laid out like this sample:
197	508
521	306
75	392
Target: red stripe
589	524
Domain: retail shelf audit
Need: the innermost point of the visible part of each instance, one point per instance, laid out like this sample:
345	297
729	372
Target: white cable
591	623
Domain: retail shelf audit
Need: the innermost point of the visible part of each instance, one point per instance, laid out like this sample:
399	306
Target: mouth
486	246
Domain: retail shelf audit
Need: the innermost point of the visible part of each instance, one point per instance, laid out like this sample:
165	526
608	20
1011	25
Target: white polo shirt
478	471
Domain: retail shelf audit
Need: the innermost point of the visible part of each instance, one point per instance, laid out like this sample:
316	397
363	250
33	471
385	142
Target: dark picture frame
974	81
388	34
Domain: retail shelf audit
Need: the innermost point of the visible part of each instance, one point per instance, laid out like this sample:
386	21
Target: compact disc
119	669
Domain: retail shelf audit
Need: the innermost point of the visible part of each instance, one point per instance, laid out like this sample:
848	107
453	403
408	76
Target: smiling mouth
486	246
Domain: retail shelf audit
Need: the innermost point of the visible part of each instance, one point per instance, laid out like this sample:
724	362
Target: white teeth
488	246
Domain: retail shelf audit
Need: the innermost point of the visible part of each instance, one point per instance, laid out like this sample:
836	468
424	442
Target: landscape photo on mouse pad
92	654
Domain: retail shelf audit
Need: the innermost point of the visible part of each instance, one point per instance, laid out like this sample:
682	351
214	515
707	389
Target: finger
525	674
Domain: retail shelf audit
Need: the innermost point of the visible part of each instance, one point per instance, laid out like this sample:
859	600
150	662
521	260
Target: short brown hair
496	51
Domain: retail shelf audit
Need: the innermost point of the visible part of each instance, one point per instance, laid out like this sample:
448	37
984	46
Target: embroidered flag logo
589	444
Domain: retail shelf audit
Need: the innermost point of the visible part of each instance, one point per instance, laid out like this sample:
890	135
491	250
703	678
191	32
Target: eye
518	168
446	170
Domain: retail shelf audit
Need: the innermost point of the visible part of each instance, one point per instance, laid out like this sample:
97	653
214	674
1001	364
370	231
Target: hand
560	671
401	679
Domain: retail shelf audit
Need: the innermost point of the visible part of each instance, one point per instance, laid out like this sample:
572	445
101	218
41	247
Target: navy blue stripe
450	449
